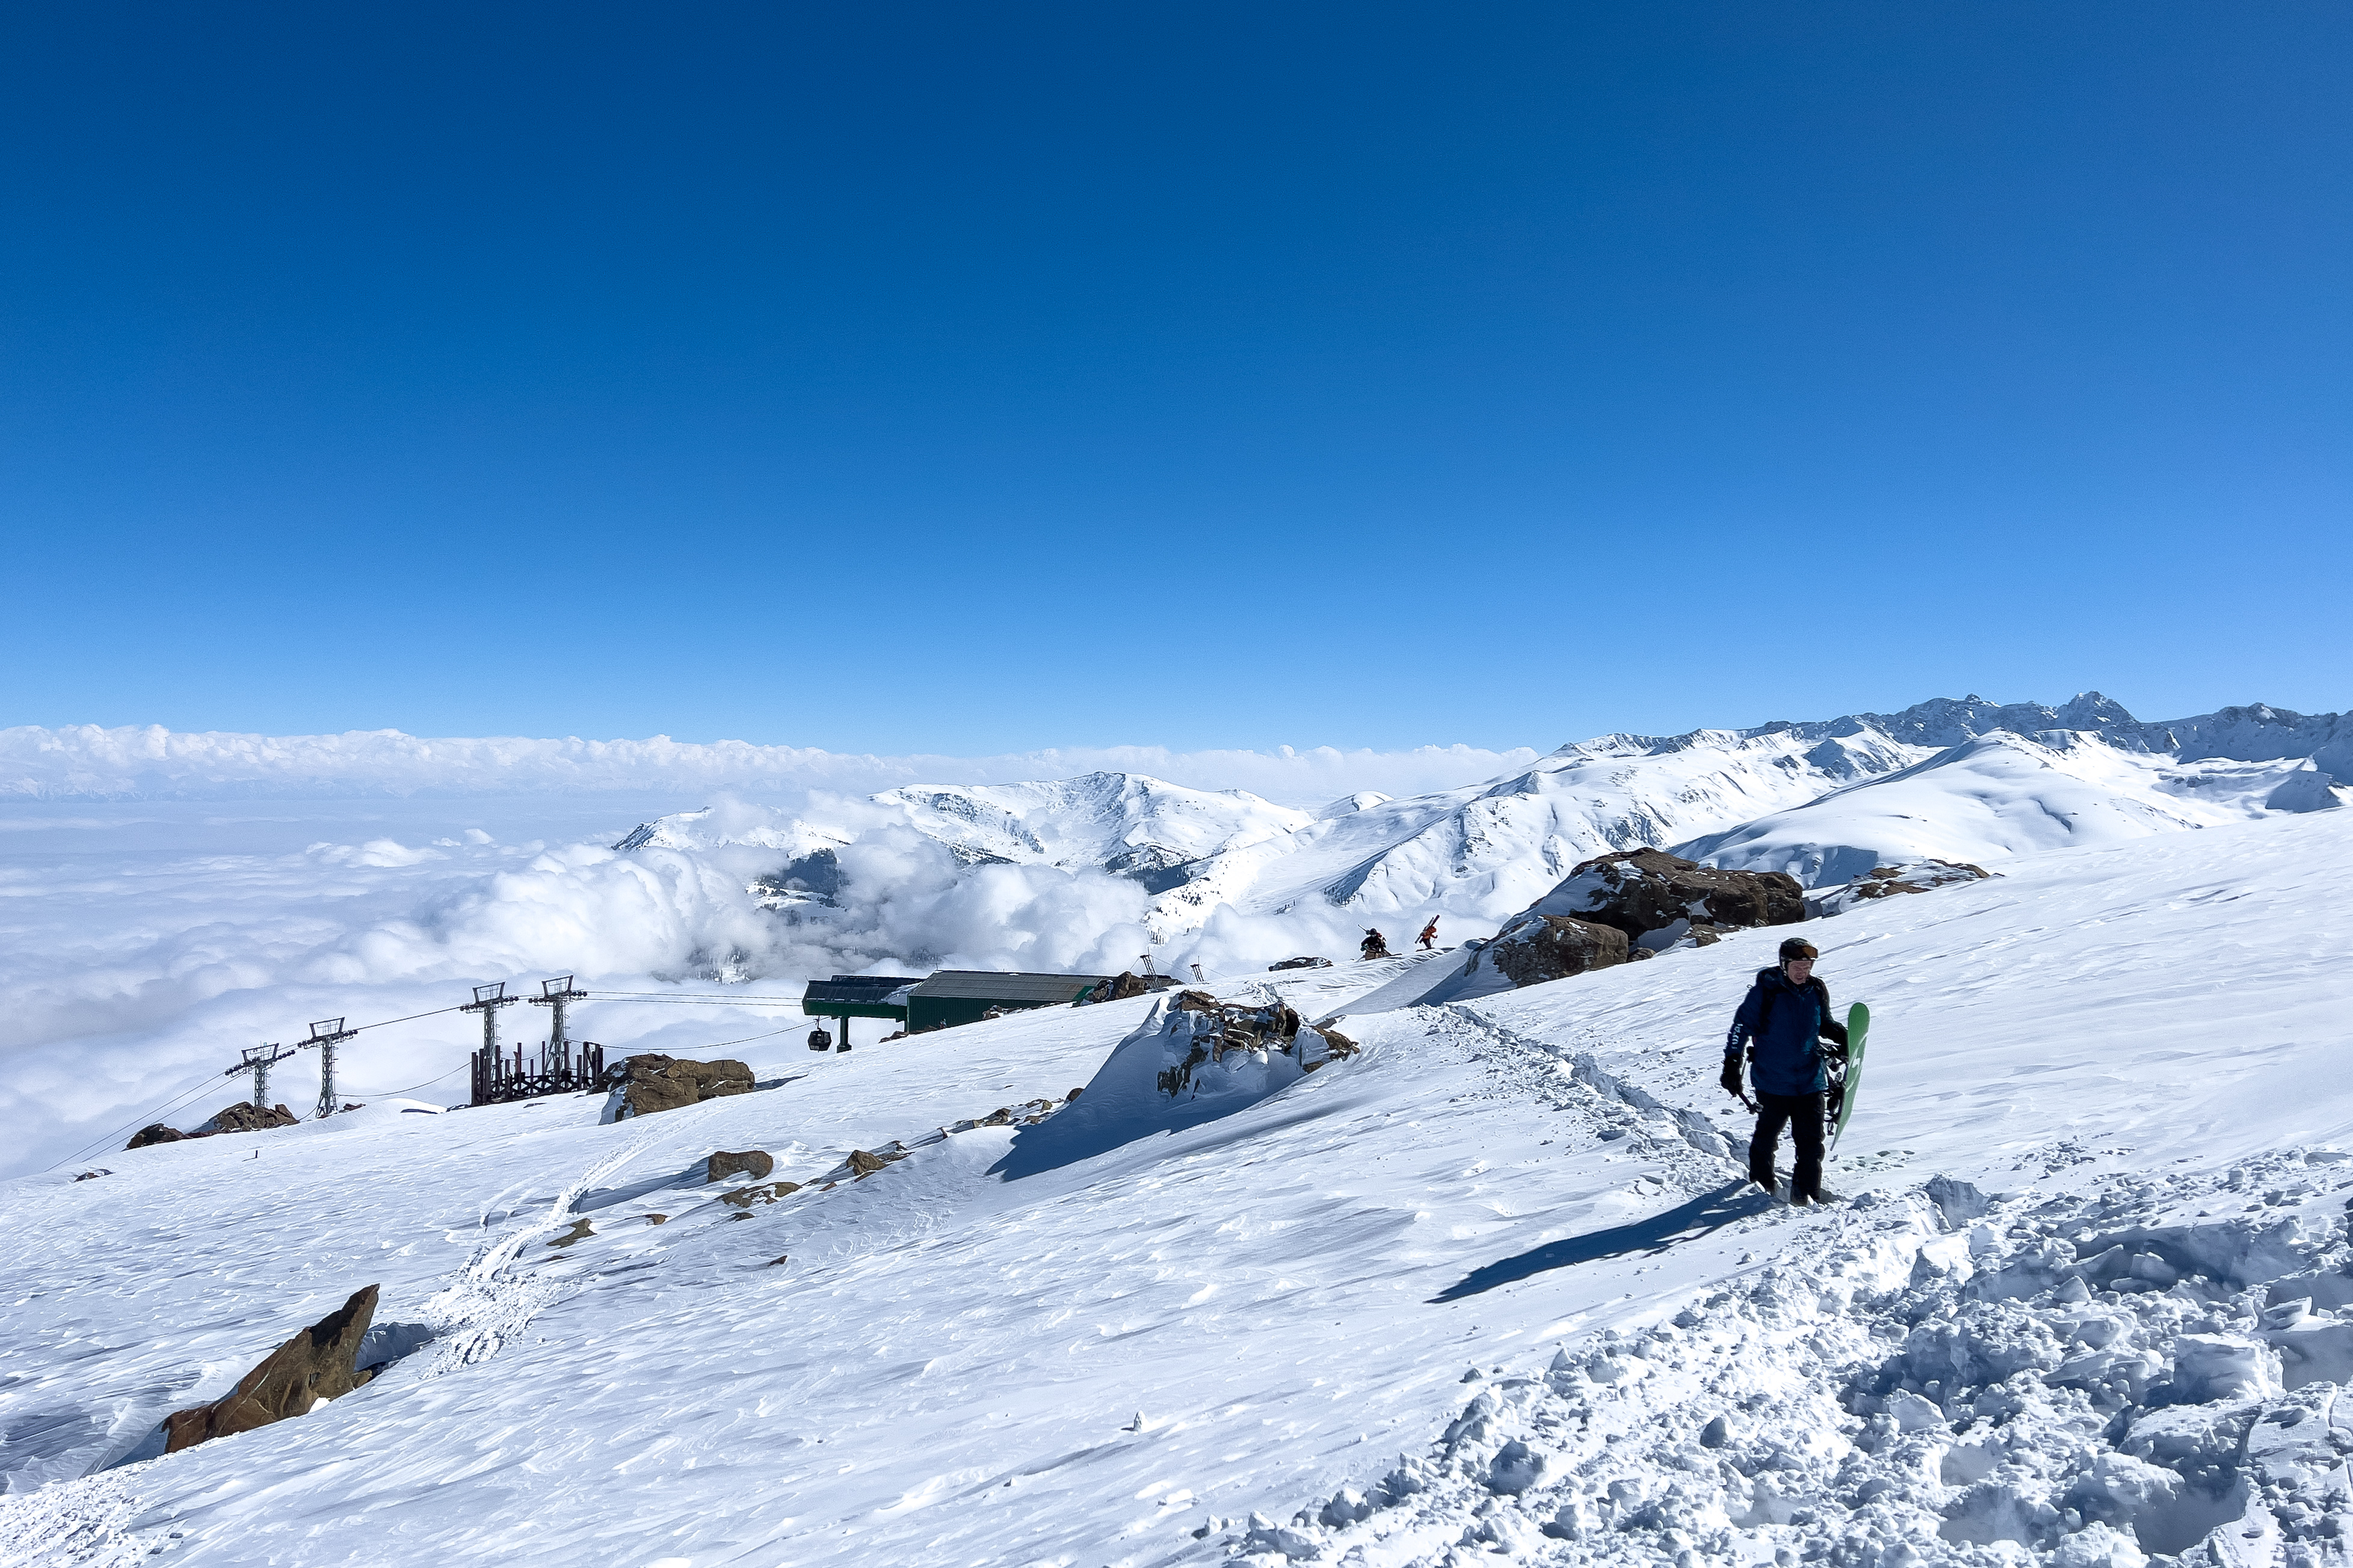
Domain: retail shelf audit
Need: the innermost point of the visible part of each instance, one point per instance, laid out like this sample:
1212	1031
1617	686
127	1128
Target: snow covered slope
1493	1279
2002	795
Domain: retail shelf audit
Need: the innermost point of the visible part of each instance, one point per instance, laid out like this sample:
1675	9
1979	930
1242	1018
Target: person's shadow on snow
1709	1211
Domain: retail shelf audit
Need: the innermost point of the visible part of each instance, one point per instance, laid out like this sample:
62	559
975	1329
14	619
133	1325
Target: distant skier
1429	937
1783	1019
1375	944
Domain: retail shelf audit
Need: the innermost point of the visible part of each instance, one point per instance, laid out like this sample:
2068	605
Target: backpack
1765	1011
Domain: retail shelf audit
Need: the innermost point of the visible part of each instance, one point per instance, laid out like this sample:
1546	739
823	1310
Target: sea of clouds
86	761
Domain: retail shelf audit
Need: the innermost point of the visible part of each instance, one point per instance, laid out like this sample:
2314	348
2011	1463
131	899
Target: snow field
1255	1336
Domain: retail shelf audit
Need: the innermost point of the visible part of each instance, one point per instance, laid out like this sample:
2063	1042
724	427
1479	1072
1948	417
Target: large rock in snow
1886	882
1552	947
246	1117
313	1366
652	1082
1614	908
723	1163
1644	891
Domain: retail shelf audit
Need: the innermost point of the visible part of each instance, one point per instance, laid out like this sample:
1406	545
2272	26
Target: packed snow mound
2002	795
1187	1063
1944	1377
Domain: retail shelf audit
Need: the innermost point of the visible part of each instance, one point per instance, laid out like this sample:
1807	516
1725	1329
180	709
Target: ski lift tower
488	1000
257	1061
326	1034
553	994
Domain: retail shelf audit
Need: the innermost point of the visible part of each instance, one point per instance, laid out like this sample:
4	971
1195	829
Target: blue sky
967	379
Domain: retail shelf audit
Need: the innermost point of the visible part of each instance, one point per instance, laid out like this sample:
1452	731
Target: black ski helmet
1798	947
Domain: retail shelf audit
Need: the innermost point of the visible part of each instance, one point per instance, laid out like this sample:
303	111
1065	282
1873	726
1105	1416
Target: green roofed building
964	995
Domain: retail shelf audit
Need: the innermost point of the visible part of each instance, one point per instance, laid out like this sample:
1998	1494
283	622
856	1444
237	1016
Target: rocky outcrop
744	1197
237	1117
1886	882
722	1165
313	1366
244	1116
1617	909
863	1164
1643	891
651	1082
1553	947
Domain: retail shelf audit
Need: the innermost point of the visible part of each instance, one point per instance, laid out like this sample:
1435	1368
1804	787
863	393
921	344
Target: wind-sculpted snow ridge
1934	1377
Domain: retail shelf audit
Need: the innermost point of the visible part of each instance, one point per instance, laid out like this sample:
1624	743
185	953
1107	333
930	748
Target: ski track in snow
1483	1293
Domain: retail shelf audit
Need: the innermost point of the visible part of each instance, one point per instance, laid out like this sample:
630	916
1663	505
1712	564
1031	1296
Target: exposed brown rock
243	1117
1922	876
744	1197
1551	947
866	1164
1194	1002
1336	1047
1644	890
314	1365
580	1231
653	1082
1886	880
155	1133
722	1165
1127	986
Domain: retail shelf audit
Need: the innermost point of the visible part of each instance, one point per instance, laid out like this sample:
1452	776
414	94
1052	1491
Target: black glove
1731	1079
1835	1031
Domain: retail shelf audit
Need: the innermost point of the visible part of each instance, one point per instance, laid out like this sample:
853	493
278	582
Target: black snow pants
1803	1112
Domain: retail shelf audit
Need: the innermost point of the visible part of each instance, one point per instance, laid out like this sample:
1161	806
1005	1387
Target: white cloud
86	761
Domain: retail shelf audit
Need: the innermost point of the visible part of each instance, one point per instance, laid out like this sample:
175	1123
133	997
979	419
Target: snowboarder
1375	944
1782	1020
1429	937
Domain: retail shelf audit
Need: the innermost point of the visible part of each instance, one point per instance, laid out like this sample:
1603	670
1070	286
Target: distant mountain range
1958	779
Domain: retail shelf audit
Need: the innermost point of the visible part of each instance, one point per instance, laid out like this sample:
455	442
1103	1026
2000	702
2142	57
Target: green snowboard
1858	1030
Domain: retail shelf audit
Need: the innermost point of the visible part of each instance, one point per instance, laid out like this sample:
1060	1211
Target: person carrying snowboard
1429	937
1782	1021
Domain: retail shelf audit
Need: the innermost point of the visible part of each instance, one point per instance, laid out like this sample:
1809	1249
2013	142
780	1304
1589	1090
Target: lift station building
965	995
847	996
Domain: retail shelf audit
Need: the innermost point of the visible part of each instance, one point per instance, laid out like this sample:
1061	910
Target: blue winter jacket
1787	1032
